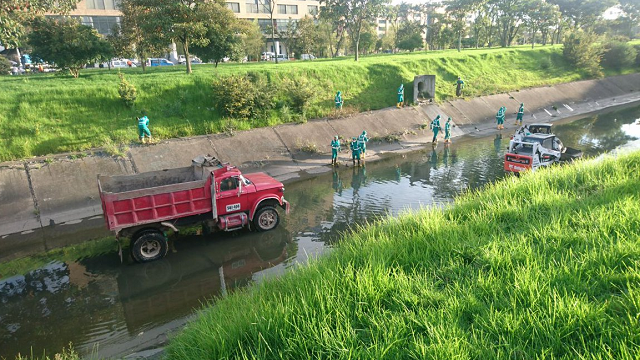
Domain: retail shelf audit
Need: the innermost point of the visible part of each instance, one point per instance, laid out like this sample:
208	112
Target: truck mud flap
286	206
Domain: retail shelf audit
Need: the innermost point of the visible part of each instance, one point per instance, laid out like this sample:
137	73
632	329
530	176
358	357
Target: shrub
619	55
242	97
127	91
5	66
299	94
582	50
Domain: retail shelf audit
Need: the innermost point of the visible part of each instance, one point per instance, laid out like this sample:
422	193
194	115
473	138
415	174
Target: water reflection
99	300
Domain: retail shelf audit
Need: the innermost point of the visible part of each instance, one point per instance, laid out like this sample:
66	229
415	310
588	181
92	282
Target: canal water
108	309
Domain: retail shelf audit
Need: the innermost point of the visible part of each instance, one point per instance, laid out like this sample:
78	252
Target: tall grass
542	267
50	113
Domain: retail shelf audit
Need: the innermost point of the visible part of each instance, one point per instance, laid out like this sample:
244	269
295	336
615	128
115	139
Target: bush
242	96
299	94
127	91
582	50
5	66
619	55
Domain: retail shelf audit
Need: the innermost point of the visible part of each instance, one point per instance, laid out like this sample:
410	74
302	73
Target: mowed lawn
546	266
51	113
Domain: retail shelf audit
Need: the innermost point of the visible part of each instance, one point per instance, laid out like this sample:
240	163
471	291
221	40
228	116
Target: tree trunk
273	37
459	41
358	48
533	39
185	48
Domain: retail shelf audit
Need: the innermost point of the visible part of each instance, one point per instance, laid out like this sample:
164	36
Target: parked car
159	62
282	57
194	59
266	56
307	57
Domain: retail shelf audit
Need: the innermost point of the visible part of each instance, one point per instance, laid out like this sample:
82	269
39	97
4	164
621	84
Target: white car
307	57
266	56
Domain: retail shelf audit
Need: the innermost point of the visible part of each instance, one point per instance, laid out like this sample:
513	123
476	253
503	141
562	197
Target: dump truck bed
132	200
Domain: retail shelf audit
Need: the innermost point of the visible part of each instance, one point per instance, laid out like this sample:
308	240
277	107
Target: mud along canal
109	309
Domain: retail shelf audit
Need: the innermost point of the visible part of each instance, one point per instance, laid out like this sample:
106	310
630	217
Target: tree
368	39
307	36
180	21
459	10
332	13
582	49
16	14
354	14
251	39
409	36
67	43
222	37
135	35
539	15
583	13
269	7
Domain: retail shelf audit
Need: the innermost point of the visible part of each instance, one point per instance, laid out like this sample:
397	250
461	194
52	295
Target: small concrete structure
424	87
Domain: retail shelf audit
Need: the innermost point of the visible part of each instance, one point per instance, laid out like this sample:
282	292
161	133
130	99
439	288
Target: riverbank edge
62	189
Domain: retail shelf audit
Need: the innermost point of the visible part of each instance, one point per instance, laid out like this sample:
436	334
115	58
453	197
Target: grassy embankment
47	114
546	266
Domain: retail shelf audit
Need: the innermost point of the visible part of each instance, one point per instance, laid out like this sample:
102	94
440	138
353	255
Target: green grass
46	114
542	267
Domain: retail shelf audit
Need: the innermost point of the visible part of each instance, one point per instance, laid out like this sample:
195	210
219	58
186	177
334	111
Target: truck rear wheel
266	218
149	246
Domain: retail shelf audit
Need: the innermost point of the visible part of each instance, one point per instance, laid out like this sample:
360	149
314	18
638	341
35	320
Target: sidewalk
36	193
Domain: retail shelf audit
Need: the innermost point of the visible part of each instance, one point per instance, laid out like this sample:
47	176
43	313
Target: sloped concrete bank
38	193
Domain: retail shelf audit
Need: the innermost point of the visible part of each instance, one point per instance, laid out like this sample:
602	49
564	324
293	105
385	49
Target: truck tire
149	246
266	218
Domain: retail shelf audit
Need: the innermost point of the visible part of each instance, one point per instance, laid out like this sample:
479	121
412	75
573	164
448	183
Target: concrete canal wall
37	193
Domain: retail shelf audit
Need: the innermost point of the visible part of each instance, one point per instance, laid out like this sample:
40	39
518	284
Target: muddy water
109	309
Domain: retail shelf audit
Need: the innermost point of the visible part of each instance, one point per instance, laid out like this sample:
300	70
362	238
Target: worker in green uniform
520	114
459	86
435	127
400	96
338	100
362	142
500	118
335	148
447	131
355	151
143	127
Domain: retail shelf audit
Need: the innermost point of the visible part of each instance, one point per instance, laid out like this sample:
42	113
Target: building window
252	8
103	4
264	24
287	9
382	28
103	24
283	25
312	9
234	6
382	22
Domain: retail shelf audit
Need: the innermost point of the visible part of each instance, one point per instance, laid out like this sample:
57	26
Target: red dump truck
144	206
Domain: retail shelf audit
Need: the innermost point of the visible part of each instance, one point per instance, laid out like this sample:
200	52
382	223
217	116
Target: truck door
229	196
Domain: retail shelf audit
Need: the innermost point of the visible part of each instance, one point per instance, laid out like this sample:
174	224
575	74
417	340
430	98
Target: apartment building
104	14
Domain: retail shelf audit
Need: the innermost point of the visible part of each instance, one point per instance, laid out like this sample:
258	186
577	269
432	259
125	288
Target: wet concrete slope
39	192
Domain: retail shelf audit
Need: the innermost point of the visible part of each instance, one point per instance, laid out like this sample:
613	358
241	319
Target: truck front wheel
266	218
149	246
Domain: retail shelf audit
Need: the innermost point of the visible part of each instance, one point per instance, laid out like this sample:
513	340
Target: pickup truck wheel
266	218
149	246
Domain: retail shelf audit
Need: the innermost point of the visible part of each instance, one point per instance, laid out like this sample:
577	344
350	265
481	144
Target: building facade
104	14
